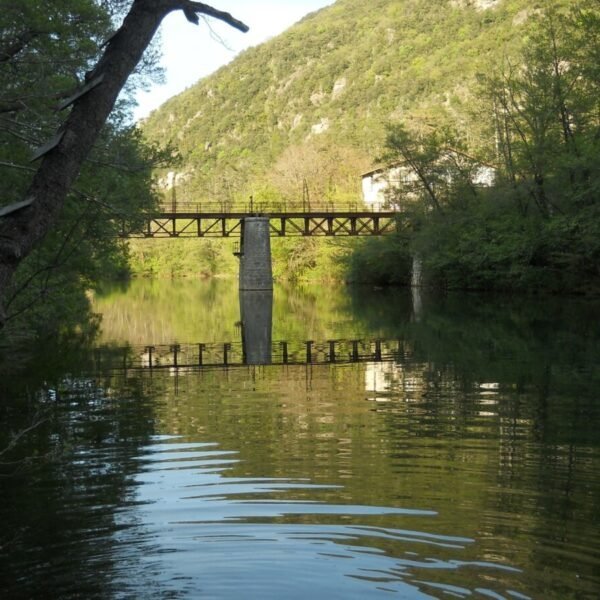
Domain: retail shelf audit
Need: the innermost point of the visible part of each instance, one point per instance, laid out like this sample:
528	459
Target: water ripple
205	534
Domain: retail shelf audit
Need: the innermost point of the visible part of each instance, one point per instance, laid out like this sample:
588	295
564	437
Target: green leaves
396	59
545	111
45	50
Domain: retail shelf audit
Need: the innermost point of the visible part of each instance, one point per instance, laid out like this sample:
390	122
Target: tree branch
15	166
19	104
190	10
53	264
12	106
20	434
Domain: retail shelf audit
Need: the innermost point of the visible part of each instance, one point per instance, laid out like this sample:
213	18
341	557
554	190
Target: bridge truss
226	224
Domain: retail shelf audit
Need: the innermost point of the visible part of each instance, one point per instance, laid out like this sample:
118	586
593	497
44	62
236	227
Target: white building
377	183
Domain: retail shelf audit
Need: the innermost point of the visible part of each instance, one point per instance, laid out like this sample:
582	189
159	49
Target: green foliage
435	167
537	227
310	258
381	261
182	258
50	287
544	107
45	50
317	172
350	67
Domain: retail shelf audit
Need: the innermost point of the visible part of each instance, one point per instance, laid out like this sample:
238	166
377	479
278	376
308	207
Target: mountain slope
338	76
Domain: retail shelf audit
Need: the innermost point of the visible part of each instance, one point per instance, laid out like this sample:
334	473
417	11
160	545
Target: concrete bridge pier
255	255
256	312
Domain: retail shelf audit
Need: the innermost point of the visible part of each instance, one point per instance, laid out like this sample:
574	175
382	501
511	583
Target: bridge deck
282	223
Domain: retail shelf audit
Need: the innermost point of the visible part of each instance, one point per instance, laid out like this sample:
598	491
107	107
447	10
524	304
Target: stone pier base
255	255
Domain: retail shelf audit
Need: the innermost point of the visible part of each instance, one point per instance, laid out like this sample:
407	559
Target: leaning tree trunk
63	156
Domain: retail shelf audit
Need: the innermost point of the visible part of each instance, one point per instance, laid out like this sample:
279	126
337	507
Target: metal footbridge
212	219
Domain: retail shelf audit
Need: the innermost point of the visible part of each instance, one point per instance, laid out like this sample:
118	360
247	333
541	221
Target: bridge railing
283	206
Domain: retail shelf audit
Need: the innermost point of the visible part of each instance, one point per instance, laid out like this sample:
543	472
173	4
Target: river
395	445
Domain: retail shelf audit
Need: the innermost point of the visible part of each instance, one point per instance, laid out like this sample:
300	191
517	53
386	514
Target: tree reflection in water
296	481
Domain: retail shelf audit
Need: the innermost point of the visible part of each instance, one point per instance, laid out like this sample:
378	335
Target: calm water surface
463	464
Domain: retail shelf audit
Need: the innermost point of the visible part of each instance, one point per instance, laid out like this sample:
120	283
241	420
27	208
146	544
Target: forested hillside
334	80
439	86
302	116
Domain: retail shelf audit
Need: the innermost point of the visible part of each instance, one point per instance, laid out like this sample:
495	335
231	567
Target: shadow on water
64	482
478	331
546	347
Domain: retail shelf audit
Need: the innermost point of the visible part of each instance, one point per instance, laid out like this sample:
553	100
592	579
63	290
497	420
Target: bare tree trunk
22	229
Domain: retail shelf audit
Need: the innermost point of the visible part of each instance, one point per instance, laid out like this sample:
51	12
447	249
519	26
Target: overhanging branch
191	9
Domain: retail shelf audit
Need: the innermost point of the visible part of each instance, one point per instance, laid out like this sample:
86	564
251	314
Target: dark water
463	464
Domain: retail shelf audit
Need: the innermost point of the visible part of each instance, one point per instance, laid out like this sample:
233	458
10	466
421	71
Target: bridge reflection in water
256	347
186	357
256	312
